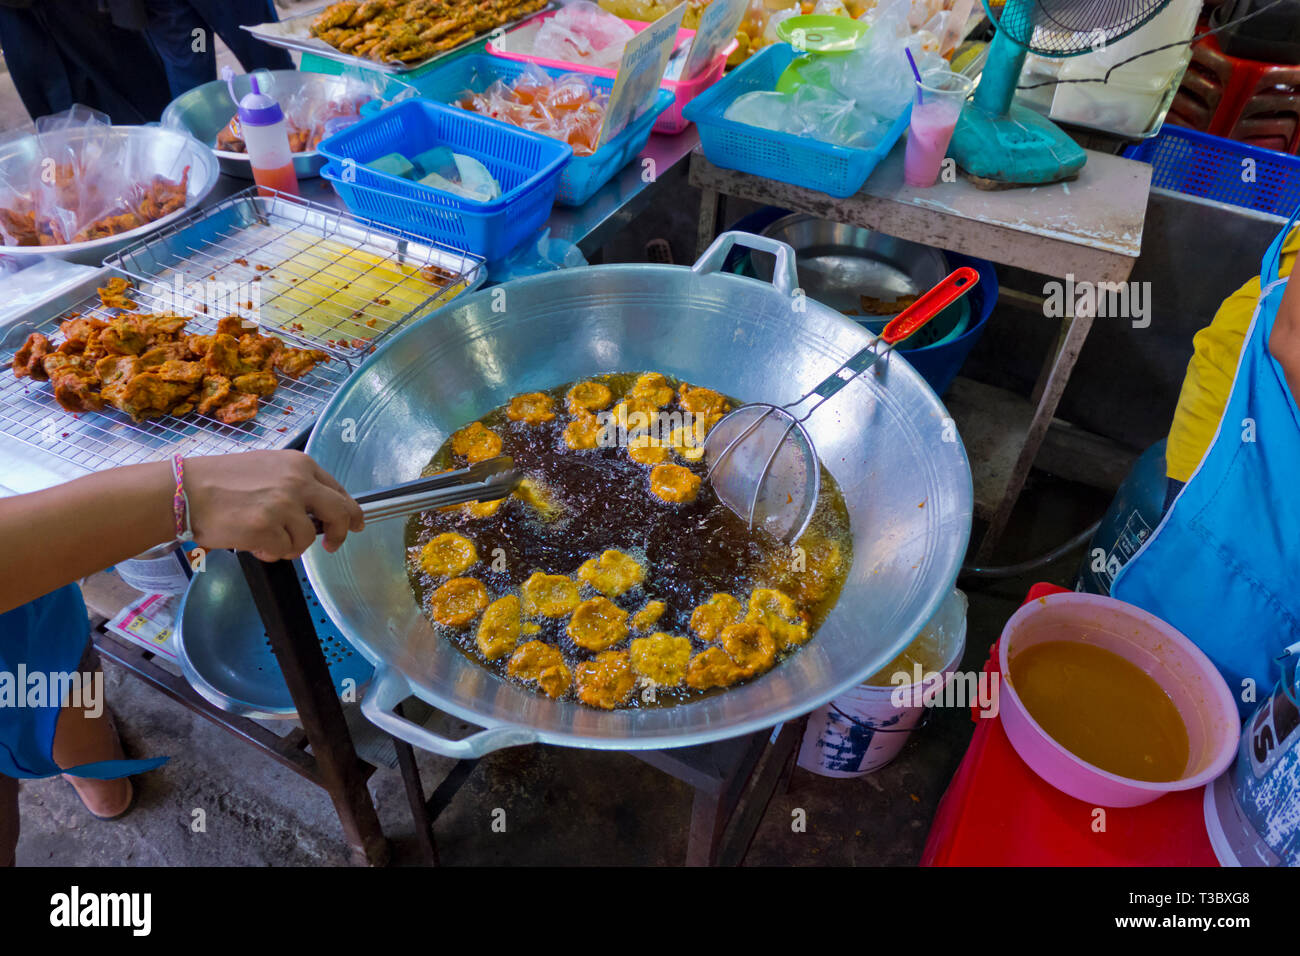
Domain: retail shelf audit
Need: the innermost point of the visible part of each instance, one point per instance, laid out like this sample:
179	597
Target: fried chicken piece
182	372
197	345
113	295
75	383
114	372
231	325
298	362
124	337
80	329
259	383
20	225
216	390
222	357
335	15
29	360
258	352
164	325
148	395
166	352
111	225
162	196
241	408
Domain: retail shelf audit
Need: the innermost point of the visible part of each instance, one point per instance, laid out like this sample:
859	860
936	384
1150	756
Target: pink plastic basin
1175	663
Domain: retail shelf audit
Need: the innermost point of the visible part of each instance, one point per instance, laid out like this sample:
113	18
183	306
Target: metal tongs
485	481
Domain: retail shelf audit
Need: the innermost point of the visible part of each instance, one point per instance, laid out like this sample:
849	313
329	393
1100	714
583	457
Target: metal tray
323	278
294	34
97	440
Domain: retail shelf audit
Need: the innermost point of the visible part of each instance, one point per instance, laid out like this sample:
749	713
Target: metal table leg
280	602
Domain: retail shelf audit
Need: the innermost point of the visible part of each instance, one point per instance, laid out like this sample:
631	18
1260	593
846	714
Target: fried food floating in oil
538	497
708	620
458	602
612	574
531	408
702	401
550	595
645	449
541	662
674	484
660	658
750	646
606	681
597	624
476	443
448	555
776	611
687	443
652	389
648	616
712	667
583	432
588	397
498	632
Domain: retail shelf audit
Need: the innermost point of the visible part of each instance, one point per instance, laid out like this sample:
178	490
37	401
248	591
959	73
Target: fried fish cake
541	662
674	484
457	602
476	443
687	443
708	620
653	389
448	555
660	658
498	631
646	449
776	611
597	624
648	616
702	401
750	646
588	397
531	408
612	574
583	432
538	497
712	667
550	595
606	681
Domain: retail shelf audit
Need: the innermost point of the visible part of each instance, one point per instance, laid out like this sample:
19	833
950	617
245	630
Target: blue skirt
40	642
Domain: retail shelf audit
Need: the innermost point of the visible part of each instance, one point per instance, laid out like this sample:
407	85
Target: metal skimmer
761	460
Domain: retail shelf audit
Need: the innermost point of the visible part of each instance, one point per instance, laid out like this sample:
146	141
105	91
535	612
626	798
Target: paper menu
640	72
718	26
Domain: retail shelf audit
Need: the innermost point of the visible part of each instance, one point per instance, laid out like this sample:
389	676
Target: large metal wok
885	437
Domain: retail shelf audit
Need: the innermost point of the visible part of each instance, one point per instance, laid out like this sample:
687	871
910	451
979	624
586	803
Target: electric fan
1003	142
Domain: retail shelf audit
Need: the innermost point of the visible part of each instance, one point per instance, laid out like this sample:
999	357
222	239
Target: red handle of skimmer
953	287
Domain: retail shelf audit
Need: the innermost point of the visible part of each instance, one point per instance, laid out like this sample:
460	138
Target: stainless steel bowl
838	262
205	110
165	152
885	438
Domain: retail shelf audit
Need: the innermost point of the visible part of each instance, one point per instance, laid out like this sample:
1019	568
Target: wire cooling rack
300	270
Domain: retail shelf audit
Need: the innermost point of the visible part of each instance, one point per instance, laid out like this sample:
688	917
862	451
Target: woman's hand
264	502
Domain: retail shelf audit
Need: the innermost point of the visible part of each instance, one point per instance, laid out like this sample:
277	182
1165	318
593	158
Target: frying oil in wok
586	502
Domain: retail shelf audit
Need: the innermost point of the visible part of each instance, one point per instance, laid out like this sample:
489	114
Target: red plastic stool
1246	100
998	812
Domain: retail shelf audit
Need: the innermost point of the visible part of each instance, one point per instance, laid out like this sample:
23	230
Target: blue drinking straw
920	98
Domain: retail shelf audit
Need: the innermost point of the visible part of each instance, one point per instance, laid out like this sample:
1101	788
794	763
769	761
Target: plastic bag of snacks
77	180
566	108
582	31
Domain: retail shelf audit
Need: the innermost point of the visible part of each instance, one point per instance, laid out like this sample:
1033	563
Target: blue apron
46	636
1223	566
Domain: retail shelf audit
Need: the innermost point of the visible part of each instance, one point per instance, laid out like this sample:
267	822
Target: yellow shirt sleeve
1216	351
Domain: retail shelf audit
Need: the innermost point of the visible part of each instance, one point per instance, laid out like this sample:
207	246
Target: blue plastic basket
584	174
837	170
1210	167
526	165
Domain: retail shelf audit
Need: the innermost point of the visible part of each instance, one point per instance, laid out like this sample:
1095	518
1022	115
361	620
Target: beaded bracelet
180	502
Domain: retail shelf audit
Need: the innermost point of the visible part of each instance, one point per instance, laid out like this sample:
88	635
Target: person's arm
1284	341
261	502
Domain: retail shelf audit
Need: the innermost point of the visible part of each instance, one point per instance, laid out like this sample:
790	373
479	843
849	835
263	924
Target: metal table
1089	229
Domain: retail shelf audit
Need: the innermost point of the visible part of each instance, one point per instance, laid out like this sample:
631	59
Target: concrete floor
561	806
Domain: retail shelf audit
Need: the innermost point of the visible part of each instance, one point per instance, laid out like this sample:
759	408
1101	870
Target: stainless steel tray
97	440
294	34
322	278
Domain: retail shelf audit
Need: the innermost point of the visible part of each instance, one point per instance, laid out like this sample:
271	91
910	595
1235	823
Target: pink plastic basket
671	120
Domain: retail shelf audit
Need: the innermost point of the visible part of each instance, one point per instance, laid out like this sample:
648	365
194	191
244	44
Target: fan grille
1069	27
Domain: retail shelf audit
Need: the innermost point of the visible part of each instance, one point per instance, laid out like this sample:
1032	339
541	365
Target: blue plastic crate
1210	167
584	174
526	165
801	161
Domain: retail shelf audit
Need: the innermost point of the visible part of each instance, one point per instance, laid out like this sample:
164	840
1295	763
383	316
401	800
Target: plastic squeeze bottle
266	136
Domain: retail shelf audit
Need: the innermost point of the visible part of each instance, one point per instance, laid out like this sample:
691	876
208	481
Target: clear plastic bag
566	108
582	31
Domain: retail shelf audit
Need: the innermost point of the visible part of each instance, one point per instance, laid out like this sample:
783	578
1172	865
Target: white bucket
863	730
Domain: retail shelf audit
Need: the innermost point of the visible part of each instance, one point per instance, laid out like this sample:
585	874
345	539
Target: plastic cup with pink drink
940	95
